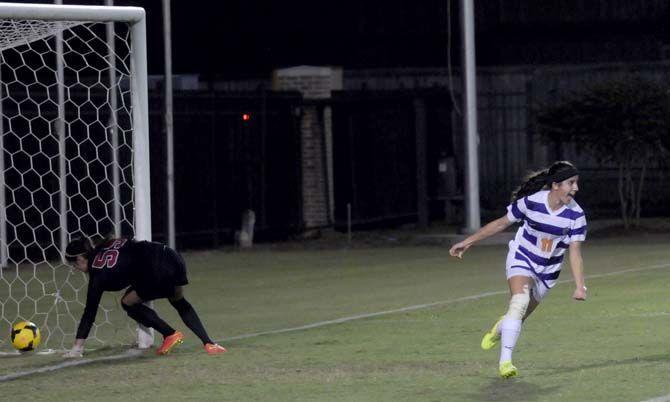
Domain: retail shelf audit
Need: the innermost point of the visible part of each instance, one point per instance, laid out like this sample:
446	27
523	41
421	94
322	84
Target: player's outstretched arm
87	319
488	230
577	266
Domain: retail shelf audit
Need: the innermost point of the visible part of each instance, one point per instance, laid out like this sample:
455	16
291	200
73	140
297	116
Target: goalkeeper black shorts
166	270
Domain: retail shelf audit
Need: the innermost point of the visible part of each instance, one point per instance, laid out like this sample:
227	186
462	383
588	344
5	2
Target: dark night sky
238	38
250	38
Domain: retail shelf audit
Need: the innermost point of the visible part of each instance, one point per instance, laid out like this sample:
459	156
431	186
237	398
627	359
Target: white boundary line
135	352
368	315
71	363
427	305
664	398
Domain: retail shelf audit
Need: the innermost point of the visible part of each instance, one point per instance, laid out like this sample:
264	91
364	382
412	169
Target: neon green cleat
507	369
492	337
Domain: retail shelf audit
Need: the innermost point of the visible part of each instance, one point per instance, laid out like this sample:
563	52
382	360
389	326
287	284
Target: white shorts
516	267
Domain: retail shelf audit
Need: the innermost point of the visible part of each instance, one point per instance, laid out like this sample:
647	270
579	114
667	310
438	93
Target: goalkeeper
147	271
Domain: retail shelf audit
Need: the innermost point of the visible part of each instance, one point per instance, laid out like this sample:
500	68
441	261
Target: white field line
427	305
664	398
71	363
135	353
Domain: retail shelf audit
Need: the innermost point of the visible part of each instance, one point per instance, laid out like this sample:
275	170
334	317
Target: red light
246	116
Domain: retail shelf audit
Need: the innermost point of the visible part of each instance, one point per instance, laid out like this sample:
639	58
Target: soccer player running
147	271
552	223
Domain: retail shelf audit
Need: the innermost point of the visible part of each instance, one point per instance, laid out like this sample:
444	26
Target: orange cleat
169	342
214	349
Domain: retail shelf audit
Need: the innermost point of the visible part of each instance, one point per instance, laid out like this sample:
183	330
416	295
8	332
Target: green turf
613	347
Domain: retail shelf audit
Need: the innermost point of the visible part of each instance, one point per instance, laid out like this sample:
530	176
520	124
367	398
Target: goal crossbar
51	12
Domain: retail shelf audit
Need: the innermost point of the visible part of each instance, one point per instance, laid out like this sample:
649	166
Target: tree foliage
625	122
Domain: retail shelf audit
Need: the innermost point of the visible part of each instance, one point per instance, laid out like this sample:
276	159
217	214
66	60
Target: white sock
509	333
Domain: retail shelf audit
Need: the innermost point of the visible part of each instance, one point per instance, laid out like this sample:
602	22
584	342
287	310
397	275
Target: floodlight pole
169	127
472	216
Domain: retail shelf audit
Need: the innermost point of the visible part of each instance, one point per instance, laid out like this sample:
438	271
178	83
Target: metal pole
169	124
60	132
113	126
470	118
349	224
4	249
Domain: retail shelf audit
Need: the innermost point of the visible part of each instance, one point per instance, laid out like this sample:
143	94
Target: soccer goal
74	159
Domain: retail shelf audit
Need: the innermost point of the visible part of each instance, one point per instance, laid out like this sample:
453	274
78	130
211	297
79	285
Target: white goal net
73	160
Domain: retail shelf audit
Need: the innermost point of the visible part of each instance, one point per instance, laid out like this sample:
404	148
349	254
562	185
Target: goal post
74	159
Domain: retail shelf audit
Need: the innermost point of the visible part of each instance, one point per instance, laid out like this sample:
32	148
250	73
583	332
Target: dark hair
534	182
78	246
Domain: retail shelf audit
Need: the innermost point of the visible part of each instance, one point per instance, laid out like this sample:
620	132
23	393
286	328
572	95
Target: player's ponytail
536	181
533	183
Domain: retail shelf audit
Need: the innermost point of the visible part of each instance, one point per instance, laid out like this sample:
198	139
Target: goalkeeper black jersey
151	269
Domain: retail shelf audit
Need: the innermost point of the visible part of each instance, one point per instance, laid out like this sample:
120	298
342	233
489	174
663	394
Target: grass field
613	347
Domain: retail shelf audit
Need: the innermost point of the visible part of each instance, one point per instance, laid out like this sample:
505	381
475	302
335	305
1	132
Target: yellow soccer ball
25	336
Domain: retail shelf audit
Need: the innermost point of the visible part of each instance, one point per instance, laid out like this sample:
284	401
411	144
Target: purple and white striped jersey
541	241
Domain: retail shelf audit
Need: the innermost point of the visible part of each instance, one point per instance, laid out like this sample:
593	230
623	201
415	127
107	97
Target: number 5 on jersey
106	259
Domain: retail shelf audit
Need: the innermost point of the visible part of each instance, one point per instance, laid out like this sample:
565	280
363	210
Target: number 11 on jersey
546	245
